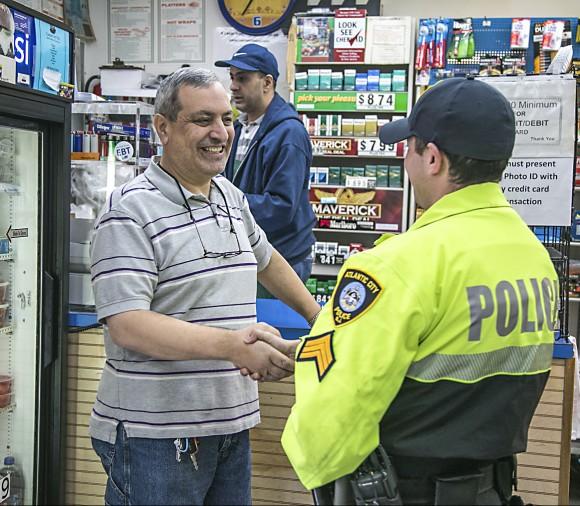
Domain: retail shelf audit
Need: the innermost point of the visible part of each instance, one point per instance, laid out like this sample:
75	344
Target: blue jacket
274	177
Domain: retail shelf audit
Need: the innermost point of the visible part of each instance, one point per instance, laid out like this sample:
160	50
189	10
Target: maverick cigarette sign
349	35
333	146
357	208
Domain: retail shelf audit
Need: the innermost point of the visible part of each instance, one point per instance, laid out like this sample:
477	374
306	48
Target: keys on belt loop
188	446
193	449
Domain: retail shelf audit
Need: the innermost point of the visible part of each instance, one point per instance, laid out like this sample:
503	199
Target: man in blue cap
444	354
271	157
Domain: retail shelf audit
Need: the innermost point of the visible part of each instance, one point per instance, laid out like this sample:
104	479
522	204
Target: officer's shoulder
388	252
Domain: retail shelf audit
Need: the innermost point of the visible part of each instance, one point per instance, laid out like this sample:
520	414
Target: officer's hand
273	338
254	356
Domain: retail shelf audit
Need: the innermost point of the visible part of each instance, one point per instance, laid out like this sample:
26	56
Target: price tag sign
4	488
326	259
372	146
375	101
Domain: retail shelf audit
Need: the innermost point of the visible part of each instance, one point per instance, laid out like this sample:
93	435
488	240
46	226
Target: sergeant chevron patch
319	350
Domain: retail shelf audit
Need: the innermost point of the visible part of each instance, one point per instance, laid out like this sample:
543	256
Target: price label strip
375	101
372	146
325	259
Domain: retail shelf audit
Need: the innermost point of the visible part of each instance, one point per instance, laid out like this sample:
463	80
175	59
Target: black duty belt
421	490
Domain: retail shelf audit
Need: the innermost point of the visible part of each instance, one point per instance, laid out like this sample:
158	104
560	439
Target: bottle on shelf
16	497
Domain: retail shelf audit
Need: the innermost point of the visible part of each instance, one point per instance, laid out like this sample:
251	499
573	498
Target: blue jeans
145	471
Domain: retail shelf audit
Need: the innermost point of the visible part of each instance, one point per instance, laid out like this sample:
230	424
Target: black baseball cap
254	58
462	116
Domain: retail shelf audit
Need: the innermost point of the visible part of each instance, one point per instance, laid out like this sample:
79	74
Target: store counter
543	473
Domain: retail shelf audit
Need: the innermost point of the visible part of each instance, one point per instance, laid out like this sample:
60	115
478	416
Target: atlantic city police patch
355	293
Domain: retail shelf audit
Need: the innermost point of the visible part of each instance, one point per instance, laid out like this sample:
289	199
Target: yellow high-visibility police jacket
437	342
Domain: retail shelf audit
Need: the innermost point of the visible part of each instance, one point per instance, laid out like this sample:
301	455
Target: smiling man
175	258
271	157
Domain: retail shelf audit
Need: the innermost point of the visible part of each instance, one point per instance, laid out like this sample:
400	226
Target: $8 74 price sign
375	101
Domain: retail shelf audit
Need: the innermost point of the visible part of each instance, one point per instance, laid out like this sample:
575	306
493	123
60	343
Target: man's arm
350	368
166	338
284	284
275	207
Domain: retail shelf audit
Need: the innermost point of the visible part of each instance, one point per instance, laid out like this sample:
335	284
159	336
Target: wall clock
256	17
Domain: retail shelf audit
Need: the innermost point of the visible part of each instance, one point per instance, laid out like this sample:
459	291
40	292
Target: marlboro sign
358	208
349	35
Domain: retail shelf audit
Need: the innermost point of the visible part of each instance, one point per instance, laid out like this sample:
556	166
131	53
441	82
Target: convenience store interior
67	369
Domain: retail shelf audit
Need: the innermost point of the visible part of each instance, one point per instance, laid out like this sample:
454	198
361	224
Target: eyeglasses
206	252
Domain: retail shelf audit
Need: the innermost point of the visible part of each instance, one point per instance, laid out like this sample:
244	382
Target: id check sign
4	488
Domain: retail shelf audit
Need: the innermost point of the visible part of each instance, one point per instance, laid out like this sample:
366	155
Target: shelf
325	270
355	147
9	188
574	299
342	231
5	257
113	108
7	330
130	92
574	243
327	186
350	64
350	101
576	189
128	163
360	156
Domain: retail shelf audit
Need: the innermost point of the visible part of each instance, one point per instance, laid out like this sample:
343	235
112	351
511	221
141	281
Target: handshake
263	354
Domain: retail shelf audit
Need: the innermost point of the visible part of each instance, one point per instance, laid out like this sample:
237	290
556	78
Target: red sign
349	35
357	208
339	146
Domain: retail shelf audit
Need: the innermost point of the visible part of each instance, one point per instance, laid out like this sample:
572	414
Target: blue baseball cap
461	116
254	58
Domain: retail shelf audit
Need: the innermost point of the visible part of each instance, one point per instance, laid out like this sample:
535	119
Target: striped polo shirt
146	255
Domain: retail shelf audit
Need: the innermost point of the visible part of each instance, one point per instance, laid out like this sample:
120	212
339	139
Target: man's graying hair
167	100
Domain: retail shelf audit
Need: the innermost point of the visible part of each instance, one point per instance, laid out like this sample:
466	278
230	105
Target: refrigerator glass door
20	265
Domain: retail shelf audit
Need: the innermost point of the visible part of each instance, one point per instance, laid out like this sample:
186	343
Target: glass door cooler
34	235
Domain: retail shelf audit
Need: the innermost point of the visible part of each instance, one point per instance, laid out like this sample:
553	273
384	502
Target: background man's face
248	91
200	140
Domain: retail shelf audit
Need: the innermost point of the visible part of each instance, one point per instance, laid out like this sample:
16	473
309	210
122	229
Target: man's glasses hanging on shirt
207	253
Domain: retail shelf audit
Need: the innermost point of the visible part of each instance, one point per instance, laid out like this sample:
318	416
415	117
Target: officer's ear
435	159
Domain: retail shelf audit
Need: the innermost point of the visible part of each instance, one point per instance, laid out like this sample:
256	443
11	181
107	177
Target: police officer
437	343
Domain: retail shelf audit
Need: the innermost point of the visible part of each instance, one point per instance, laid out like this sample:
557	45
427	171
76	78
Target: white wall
96	53
480	8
